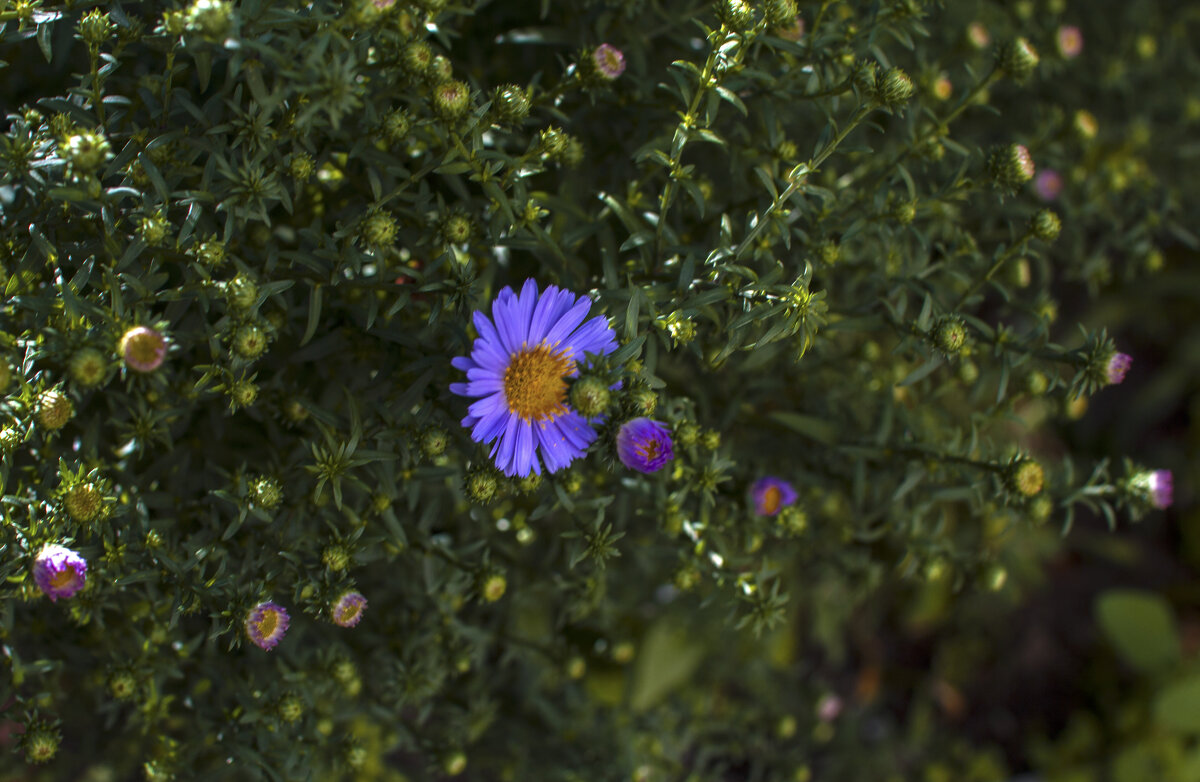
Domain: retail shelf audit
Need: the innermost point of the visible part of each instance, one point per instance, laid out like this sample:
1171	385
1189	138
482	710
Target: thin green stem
1004	258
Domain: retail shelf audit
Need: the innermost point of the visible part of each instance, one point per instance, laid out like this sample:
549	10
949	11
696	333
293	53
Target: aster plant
657	370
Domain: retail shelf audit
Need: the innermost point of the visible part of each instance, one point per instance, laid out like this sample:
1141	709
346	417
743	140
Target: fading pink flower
1162	488
348	609
1070	41
59	572
1025	161
829	707
609	61
1048	184
1118	365
266	623
143	349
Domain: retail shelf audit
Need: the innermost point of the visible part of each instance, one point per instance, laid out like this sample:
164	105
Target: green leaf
1141	626
819	429
667	660
1178	706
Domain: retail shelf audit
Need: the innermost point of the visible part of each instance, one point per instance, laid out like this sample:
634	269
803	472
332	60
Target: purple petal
526	462
462	362
568	321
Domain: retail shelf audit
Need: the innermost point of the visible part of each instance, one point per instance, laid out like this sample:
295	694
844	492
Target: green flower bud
40	742
379	229
492	585
249	341
433	442
1010	166
590	396
905	212
211	253
10	438
455	228
153	229
396	126
552	143
1041	508
84	502
737	15
893	87
949	335
711	440
336	558
1026	478
265	492
242	393
86	151
211	19
829	252
454	763
356	755
995	577
122	684
510	104
241	293
530	483
1036	383
88	367
792	520
441	70
968	372
576	667
290	708
686	578
643	401
481	486
301	167
1045	225
451	100
687	434
95	27
417	58
53	409
866	75
1018	59
381	503
780	14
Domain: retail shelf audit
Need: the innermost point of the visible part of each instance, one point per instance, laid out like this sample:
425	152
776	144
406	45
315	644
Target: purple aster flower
59	572
1118	365
266	623
1162	488
609	61
348	609
143	349
1048	184
644	445
771	494
518	370
1070	41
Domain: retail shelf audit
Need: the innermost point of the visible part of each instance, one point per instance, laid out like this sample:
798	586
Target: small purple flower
609	61
348	609
518	370
1048	184
829	707
1162	488
1070	41
644	445
59	572
266	623
771	495
143	349
1118	365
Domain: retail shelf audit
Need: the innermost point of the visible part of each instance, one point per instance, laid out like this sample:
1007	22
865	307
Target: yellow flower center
267	623
771	499
534	387
347	612
62	579
649	450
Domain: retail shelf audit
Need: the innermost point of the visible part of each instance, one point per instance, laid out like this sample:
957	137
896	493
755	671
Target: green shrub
242	244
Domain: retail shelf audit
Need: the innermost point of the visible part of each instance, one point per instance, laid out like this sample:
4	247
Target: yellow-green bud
552	143
54	409
290	708
687	434
336	558
451	99
1026	478
643	401
301	167
780	14
510	104
1018	59
950	336
1011	166
266	492
212	19
893	87
95	27
40	742
396	126
88	367
454	764
86	151
241	293
122	684
456	229
84	502
481	486
211	253
249	341
530	483
379	229
1045	225
711	440
905	212
433	442
737	15
243	393
417	58
590	396
492	586
10	438
1036	383
152	229
792	519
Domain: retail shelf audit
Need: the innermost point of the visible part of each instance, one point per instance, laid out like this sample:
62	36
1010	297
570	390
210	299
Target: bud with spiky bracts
510	104
737	15
1025	477
780	14
482	485
1017	59
1010	166
949	335
893	87
1045	225
40	742
53	409
590	396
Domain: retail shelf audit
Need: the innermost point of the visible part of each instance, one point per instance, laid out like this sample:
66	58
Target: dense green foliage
820	250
